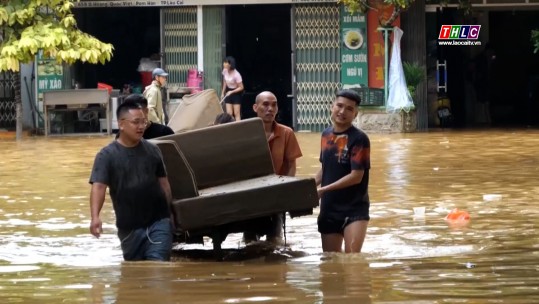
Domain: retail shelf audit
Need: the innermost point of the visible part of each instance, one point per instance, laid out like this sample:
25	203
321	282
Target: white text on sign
354	58
50	84
354	72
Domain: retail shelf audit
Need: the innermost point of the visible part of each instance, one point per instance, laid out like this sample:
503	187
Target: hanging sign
49	75
376	44
354	67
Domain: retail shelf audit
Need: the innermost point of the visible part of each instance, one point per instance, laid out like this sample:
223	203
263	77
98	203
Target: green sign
49	75
354	67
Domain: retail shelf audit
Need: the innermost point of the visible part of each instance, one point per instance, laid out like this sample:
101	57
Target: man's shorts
152	243
330	226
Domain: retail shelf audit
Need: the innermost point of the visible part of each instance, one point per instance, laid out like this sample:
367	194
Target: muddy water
48	256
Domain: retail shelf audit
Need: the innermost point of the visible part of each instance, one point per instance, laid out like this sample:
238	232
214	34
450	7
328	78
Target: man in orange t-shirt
283	145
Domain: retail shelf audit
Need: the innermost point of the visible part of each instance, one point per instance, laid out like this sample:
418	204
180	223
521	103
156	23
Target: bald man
284	149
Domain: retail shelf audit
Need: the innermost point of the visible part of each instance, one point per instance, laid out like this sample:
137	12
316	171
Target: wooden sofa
223	181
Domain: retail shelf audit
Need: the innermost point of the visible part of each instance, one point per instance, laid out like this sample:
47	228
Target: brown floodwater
48	256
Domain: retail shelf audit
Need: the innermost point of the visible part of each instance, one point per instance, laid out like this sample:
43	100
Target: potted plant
414	74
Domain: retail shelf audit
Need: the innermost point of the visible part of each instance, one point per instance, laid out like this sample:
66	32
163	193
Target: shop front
494	83
303	51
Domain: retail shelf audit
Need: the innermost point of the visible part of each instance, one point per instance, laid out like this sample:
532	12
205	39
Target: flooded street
48	256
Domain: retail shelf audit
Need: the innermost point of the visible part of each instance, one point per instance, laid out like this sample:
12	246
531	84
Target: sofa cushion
245	200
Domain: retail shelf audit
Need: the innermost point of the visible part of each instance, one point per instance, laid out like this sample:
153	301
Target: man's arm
291	165
151	96
348	180
97	199
318	177
292	153
165	185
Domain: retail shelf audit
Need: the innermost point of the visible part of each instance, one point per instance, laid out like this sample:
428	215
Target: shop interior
513	70
259	38
135	34
133	31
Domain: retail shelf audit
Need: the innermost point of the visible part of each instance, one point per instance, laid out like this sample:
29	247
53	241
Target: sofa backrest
226	153
180	175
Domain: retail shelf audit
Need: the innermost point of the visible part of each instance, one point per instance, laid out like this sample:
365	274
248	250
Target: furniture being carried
195	111
223	181
75	100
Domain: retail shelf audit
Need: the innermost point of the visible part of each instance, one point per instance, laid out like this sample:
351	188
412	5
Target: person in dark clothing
133	170
344	178
153	129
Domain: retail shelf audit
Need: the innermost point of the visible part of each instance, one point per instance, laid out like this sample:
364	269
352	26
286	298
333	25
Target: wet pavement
47	254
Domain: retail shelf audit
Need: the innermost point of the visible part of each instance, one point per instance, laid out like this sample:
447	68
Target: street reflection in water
47	254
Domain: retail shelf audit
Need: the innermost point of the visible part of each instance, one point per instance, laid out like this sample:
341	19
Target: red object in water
457	215
146	78
104	86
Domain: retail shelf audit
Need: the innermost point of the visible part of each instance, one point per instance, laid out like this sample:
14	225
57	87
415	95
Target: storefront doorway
516	71
259	38
512	70
134	32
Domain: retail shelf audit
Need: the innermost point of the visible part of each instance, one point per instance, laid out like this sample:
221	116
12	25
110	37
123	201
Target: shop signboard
49	76
376	44
143	3
354	67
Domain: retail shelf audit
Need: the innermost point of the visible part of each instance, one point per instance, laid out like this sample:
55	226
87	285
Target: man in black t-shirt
133	170
153	129
344	178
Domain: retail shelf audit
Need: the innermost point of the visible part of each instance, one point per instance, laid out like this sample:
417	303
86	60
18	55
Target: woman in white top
232	88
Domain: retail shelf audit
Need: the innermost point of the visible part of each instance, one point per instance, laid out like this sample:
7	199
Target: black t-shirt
132	177
340	154
157	130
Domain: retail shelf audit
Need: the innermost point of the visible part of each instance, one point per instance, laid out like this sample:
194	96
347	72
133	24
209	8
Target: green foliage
364	5
355	5
414	74
29	26
535	40
398	7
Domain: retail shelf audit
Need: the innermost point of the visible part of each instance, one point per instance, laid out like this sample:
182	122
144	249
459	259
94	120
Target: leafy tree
28	26
364	5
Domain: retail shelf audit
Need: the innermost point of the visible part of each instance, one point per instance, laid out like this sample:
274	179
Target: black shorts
330	226
234	98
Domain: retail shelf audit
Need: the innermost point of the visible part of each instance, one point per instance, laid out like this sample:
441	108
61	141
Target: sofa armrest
180	175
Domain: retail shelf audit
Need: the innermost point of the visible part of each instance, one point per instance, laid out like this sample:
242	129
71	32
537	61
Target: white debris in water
492	197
